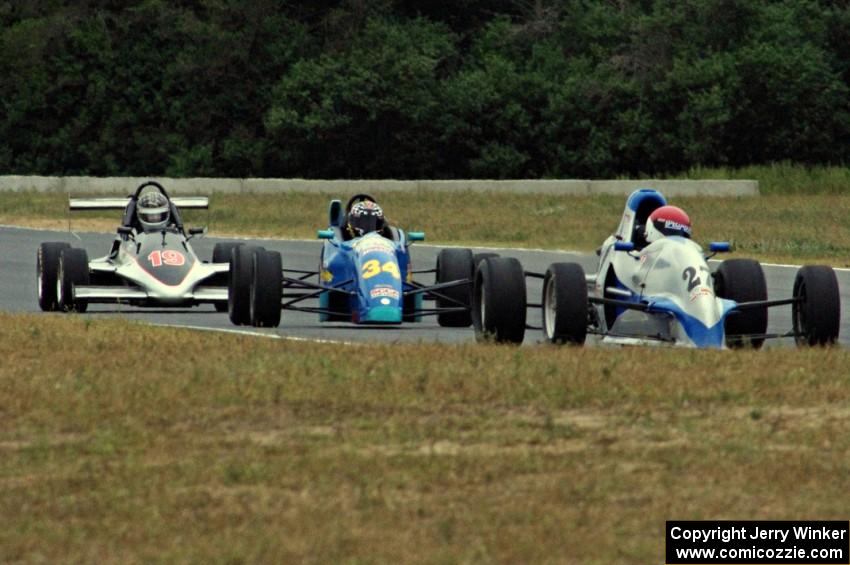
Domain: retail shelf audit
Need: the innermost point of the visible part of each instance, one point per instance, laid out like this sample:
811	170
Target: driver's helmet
153	211
665	221
365	217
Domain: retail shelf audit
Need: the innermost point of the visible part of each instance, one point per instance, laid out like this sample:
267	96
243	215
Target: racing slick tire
453	265
73	270
564	304
478	257
816	317
742	280
239	285
498	301
266	289
47	272
221	254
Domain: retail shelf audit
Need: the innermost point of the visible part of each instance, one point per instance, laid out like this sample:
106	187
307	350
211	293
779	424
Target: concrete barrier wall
125	185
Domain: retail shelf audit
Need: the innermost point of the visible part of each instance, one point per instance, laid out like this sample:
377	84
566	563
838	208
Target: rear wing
182	202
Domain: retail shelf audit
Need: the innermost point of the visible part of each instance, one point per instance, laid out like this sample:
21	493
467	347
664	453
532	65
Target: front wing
132	285
297	289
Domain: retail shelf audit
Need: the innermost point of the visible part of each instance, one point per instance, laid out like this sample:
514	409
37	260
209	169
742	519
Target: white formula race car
144	267
664	293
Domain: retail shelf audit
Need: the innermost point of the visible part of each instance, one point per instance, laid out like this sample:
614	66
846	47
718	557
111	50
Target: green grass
800	217
788	228
783	178
125	443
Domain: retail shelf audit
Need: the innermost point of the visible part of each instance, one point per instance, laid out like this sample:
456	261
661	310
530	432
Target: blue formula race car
366	276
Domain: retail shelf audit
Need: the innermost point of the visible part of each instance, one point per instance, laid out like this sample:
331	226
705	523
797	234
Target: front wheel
454	265
742	280
266	289
239	286
47	273
816	316
498	301
221	254
565	304
73	271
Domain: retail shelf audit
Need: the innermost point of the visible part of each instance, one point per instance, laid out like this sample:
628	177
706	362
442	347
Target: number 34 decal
374	267
168	257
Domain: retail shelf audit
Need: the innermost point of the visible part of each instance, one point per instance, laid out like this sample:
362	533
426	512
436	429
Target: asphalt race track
18	249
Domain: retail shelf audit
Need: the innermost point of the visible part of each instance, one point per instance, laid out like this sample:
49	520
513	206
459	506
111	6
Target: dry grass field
122	443
781	227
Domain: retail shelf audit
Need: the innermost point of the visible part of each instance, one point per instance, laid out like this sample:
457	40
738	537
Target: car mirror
325	234
416	236
197	231
719	246
124	230
624	246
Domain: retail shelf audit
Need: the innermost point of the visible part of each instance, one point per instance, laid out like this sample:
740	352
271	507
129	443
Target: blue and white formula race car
654	286
365	276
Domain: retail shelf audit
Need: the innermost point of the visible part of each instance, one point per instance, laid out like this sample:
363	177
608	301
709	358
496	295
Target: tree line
421	89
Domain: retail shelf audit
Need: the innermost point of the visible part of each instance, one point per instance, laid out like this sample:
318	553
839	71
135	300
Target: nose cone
380	284
676	275
383	315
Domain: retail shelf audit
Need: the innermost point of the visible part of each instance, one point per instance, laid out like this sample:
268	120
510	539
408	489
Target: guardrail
576	187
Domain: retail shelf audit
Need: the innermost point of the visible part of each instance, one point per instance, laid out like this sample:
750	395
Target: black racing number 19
690	275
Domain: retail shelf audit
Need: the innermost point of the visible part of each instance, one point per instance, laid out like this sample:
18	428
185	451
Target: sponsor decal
363	251
373	244
385	292
672	225
327	276
385	301
701	291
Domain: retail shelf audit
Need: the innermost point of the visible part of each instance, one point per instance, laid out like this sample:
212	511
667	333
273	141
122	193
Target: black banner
759	543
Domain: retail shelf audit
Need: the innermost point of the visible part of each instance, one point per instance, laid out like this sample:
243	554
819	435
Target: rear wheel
742	280
565	304
453	265
47	273
499	304
221	254
239	287
73	271
817	316
266	287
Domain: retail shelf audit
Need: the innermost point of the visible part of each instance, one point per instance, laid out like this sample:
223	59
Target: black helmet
365	217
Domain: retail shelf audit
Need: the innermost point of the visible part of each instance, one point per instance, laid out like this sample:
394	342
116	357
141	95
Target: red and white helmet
667	220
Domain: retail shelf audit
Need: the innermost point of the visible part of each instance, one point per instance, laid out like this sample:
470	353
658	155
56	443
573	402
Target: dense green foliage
413	89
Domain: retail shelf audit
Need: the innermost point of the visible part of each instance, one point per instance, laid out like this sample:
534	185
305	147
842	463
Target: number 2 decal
690	275
373	268
168	257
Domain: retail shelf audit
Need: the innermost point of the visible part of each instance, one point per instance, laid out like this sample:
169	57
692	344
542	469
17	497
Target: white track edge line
251	333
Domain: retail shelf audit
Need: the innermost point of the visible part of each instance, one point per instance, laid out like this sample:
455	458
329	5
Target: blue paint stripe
699	333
